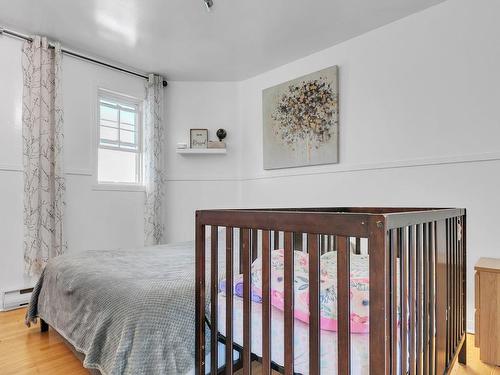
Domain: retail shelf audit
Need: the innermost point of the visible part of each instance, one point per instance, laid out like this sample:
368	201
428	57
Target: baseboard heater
14	299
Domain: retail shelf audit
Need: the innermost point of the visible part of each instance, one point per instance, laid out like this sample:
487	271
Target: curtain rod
15	34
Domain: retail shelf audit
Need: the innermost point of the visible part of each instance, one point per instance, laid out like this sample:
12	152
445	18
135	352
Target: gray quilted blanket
128	311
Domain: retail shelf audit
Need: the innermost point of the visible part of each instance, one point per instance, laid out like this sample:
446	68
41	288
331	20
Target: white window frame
129	101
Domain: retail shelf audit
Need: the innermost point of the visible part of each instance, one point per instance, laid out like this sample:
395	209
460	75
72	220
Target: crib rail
417	284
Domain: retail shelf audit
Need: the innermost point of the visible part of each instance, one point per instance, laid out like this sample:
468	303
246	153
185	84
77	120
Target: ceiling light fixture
209	4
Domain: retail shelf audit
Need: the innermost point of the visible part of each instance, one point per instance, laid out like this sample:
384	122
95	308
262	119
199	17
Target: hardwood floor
26	351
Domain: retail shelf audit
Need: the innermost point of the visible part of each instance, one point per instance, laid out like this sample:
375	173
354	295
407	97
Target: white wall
95	219
419	123
199	181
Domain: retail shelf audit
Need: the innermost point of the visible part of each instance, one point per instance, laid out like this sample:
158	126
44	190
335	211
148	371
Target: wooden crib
428	246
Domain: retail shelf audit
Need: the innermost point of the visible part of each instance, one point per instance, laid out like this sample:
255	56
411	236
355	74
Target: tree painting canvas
301	119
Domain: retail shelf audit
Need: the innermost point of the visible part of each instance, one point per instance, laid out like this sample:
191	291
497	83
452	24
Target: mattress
359	341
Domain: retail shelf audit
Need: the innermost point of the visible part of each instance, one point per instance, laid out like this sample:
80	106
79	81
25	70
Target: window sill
118	187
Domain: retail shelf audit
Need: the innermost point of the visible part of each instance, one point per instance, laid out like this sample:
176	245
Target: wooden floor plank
27	351
474	365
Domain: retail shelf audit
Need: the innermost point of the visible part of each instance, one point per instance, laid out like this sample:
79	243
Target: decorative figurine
221	134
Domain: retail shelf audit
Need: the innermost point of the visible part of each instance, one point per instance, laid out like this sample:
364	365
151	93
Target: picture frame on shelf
198	138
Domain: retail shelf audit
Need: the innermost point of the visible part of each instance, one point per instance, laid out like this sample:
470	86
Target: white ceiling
180	39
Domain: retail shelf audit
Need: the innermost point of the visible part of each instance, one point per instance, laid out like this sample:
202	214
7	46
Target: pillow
328	288
359	290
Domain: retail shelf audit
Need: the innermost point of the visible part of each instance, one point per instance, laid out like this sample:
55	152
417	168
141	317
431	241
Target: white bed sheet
359	342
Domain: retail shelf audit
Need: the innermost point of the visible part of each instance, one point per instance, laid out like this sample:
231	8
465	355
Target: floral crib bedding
359	288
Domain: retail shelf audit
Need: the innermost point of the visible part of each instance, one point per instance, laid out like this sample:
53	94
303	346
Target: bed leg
462	355
44	327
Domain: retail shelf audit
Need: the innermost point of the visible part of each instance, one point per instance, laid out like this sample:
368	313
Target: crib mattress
359	341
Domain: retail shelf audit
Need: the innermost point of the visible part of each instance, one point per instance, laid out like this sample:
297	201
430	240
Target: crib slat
314	307
200	296
452	299
344	305
459	245
247	302
297	241
463	250
276	238
425	290
403	265
266	304
229	300
453	290
214	277
419	294
254	244
432	297
395	249
412	298
454	283
462	275
453	287
241	251
457	280
457	284
448	294
288	284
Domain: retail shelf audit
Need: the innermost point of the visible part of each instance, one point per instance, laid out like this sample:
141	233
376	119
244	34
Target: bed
416	287
126	311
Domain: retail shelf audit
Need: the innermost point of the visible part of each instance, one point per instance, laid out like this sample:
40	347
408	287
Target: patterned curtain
44	185
153	161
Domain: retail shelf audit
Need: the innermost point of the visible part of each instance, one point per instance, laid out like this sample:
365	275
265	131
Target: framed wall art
198	138
300	120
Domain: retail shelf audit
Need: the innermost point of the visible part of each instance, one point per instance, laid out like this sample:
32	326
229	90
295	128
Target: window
119	141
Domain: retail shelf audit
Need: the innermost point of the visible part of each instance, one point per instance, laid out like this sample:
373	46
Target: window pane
117	166
109	113
127	137
119	139
109	133
127	117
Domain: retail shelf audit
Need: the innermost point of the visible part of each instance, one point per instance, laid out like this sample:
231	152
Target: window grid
118	144
121	104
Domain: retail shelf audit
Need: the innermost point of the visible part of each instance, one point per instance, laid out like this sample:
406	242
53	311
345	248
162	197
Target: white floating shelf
199	151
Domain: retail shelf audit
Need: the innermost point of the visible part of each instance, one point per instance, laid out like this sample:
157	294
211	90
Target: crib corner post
462	355
199	296
380	295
